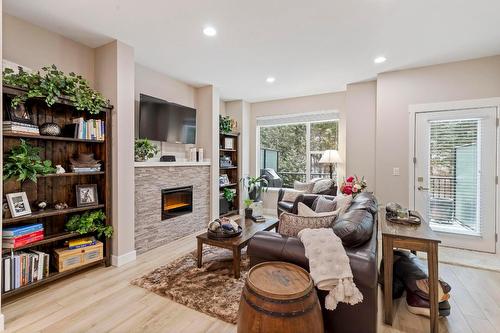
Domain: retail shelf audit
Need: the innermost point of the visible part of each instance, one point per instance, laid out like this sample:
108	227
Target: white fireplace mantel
151	164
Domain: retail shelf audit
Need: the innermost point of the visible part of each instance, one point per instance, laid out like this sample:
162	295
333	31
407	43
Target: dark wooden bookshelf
232	172
53	276
49	213
46	240
54	188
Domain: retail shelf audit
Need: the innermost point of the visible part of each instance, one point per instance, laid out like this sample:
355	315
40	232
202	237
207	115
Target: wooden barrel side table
279	297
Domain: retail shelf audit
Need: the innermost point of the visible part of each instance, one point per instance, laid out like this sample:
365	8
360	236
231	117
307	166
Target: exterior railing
289	177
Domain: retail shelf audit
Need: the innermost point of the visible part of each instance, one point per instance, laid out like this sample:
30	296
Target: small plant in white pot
144	150
248	211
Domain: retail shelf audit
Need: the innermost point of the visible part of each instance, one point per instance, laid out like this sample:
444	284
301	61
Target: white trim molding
2	322
124	259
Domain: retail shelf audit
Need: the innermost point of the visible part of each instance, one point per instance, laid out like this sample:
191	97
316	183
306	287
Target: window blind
454	174
297	118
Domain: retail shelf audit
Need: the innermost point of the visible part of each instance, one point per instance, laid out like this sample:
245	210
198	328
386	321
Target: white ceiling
310	47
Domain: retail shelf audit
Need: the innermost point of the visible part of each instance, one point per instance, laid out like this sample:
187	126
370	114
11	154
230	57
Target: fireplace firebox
176	201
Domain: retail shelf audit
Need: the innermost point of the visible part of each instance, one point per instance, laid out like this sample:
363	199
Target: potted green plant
248	211
24	163
225	124
89	222
144	150
52	85
229	196
255	186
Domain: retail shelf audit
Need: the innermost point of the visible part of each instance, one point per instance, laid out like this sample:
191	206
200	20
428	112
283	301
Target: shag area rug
211	289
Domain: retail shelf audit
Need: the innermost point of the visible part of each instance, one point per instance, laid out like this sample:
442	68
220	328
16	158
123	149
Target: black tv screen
160	120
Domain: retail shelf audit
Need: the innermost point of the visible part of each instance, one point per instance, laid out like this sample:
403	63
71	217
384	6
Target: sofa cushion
366	201
321	186
304	210
291	224
304	187
354	227
291	194
324	205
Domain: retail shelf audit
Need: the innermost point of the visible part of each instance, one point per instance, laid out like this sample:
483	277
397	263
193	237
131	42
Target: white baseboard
123	259
2	322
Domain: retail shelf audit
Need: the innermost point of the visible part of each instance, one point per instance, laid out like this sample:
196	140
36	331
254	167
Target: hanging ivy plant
52	84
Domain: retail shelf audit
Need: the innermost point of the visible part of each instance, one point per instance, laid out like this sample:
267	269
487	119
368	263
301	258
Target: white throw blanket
329	266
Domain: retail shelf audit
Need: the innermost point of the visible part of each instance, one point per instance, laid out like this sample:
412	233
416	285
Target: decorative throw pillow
291	224
305	187
291	194
322	185
342	203
304	210
325	205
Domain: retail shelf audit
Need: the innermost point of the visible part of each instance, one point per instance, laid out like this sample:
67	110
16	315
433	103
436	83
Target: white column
115	76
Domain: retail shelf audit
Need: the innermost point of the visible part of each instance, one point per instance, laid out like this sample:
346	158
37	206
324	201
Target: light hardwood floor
102	300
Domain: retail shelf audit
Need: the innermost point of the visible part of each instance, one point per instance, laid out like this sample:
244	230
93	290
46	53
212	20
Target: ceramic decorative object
50	129
60	169
61	205
41	205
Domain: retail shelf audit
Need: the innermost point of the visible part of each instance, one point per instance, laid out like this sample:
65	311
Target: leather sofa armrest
271	246
281	193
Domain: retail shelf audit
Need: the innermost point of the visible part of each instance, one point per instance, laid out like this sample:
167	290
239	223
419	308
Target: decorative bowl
50	129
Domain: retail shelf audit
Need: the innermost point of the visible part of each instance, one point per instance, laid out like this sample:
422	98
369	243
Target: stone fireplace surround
150	179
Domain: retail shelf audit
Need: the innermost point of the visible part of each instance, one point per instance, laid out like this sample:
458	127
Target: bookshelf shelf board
50	138
52	277
231	134
227	150
49	239
228	185
48	213
72	174
228	168
231	212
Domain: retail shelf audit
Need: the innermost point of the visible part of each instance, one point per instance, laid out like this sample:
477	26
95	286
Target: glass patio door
455	170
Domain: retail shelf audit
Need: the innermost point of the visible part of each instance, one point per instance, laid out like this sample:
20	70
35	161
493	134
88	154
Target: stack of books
14	127
91	129
78	243
258	218
16	237
23	268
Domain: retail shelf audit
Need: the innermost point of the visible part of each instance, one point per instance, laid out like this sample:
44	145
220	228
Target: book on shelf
23	268
21	230
14	243
81	242
90	129
86	169
13	127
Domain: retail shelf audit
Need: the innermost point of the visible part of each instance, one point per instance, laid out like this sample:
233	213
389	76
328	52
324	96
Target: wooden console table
414	238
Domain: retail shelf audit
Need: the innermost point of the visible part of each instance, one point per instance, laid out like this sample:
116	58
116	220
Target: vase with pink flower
353	185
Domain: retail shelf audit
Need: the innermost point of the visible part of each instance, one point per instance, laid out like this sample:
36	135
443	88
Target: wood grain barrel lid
279	280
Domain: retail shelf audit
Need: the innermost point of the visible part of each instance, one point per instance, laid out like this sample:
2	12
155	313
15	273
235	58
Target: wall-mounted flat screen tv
160	120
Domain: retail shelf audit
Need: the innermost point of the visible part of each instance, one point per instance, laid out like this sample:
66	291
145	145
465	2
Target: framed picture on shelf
18	204
19	114
228	143
86	195
223	180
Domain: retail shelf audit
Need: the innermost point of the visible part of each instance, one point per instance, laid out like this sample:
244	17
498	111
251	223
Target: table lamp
330	157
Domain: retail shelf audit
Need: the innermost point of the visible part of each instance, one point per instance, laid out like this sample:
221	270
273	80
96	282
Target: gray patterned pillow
291	224
305	187
322	185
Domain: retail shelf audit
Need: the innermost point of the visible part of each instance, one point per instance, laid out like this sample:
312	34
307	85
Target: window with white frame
293	145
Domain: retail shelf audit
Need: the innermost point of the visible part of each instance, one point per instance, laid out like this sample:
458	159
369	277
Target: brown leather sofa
291	207
357	228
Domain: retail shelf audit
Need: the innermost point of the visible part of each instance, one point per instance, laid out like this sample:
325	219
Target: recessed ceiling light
270	79
210	31
379	60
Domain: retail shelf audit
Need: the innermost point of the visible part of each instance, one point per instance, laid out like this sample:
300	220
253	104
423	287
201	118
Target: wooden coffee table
235	244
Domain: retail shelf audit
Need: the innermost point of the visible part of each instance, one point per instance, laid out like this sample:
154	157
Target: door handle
421	188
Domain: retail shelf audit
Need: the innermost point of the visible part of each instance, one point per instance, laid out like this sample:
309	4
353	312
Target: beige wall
360	130
471	79
324	102
34	47
156	84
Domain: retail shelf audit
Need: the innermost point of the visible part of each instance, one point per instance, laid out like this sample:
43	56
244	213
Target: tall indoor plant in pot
254	186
